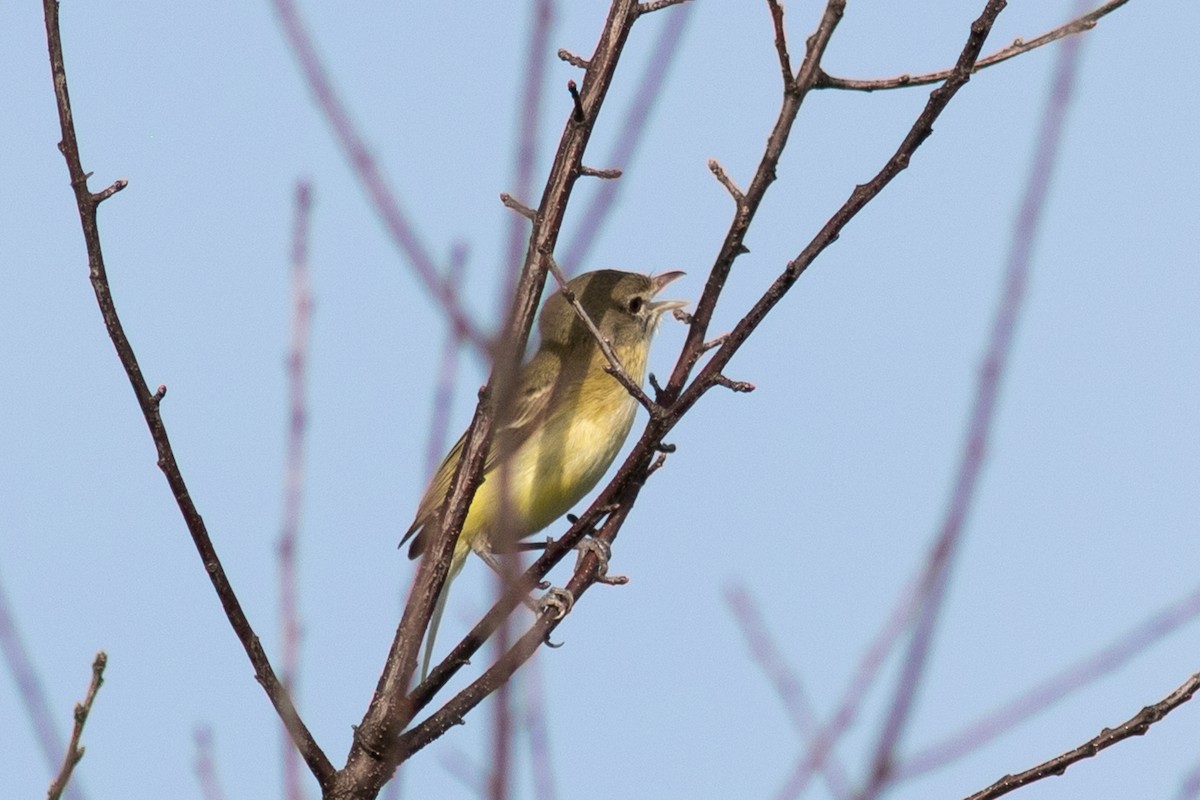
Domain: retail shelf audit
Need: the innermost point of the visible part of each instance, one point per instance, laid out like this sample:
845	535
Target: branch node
572	59
664	447
159	394
659	460
516	205
714	343
603	174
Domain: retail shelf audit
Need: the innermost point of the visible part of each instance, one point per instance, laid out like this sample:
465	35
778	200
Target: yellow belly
549	473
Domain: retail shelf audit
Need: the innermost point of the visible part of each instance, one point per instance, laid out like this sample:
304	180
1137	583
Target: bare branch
781	47
734	386
1051	691
1078	25
206	767
32	693
1136	725
87	204
443	392
375	751
293	494
602	174
783	679
630	133
733	245
615	367
723	178
74	751
657	5
572	59
354	147
975	447
516	205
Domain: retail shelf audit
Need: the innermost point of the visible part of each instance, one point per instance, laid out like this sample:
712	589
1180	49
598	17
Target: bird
566	423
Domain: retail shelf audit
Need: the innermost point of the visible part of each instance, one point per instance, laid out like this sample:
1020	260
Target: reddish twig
293	493
32	693
74	752
786	683
367	171
544	785
980	425
206	766
1136	725
1079	24
529	112
443	392
1051	691
599	207
87	203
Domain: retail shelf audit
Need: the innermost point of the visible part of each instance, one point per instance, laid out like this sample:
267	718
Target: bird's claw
557	603
603	552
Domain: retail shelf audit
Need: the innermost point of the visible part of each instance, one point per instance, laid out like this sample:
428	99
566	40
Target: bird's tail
436	619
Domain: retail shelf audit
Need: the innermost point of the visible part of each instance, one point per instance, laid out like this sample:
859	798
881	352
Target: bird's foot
603	552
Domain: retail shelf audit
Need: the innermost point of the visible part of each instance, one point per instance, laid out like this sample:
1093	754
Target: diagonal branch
74	751
374	754
1080	24
359	155
87	203
1137	725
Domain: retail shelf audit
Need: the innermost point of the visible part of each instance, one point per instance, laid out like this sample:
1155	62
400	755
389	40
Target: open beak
658	283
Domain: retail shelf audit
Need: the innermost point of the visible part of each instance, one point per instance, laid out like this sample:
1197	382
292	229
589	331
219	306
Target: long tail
436	619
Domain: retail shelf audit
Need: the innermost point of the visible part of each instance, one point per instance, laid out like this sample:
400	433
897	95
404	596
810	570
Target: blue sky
819	492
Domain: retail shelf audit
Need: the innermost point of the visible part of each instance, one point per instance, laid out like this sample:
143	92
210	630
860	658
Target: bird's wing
530	404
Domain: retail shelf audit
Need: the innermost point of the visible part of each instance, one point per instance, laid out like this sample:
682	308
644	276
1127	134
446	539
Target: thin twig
32	693
293	493
87	204
723	178
615	367
572	59
74	751
206	766
783	679
979	429
602	174
781	46
657	5
443	392
733	245
1136	725
1045	694
516	205
1080	24
630	133
355	149
544	784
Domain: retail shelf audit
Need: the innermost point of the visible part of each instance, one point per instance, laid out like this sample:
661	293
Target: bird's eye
635	305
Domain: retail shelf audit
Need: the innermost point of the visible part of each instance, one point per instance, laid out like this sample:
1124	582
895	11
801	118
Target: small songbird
565	425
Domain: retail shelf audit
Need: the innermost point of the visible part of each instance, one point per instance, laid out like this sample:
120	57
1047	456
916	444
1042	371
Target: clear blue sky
819	492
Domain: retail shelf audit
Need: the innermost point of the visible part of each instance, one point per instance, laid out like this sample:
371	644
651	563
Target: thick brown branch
1136	725
87	204
373	756
74	751
1078	25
